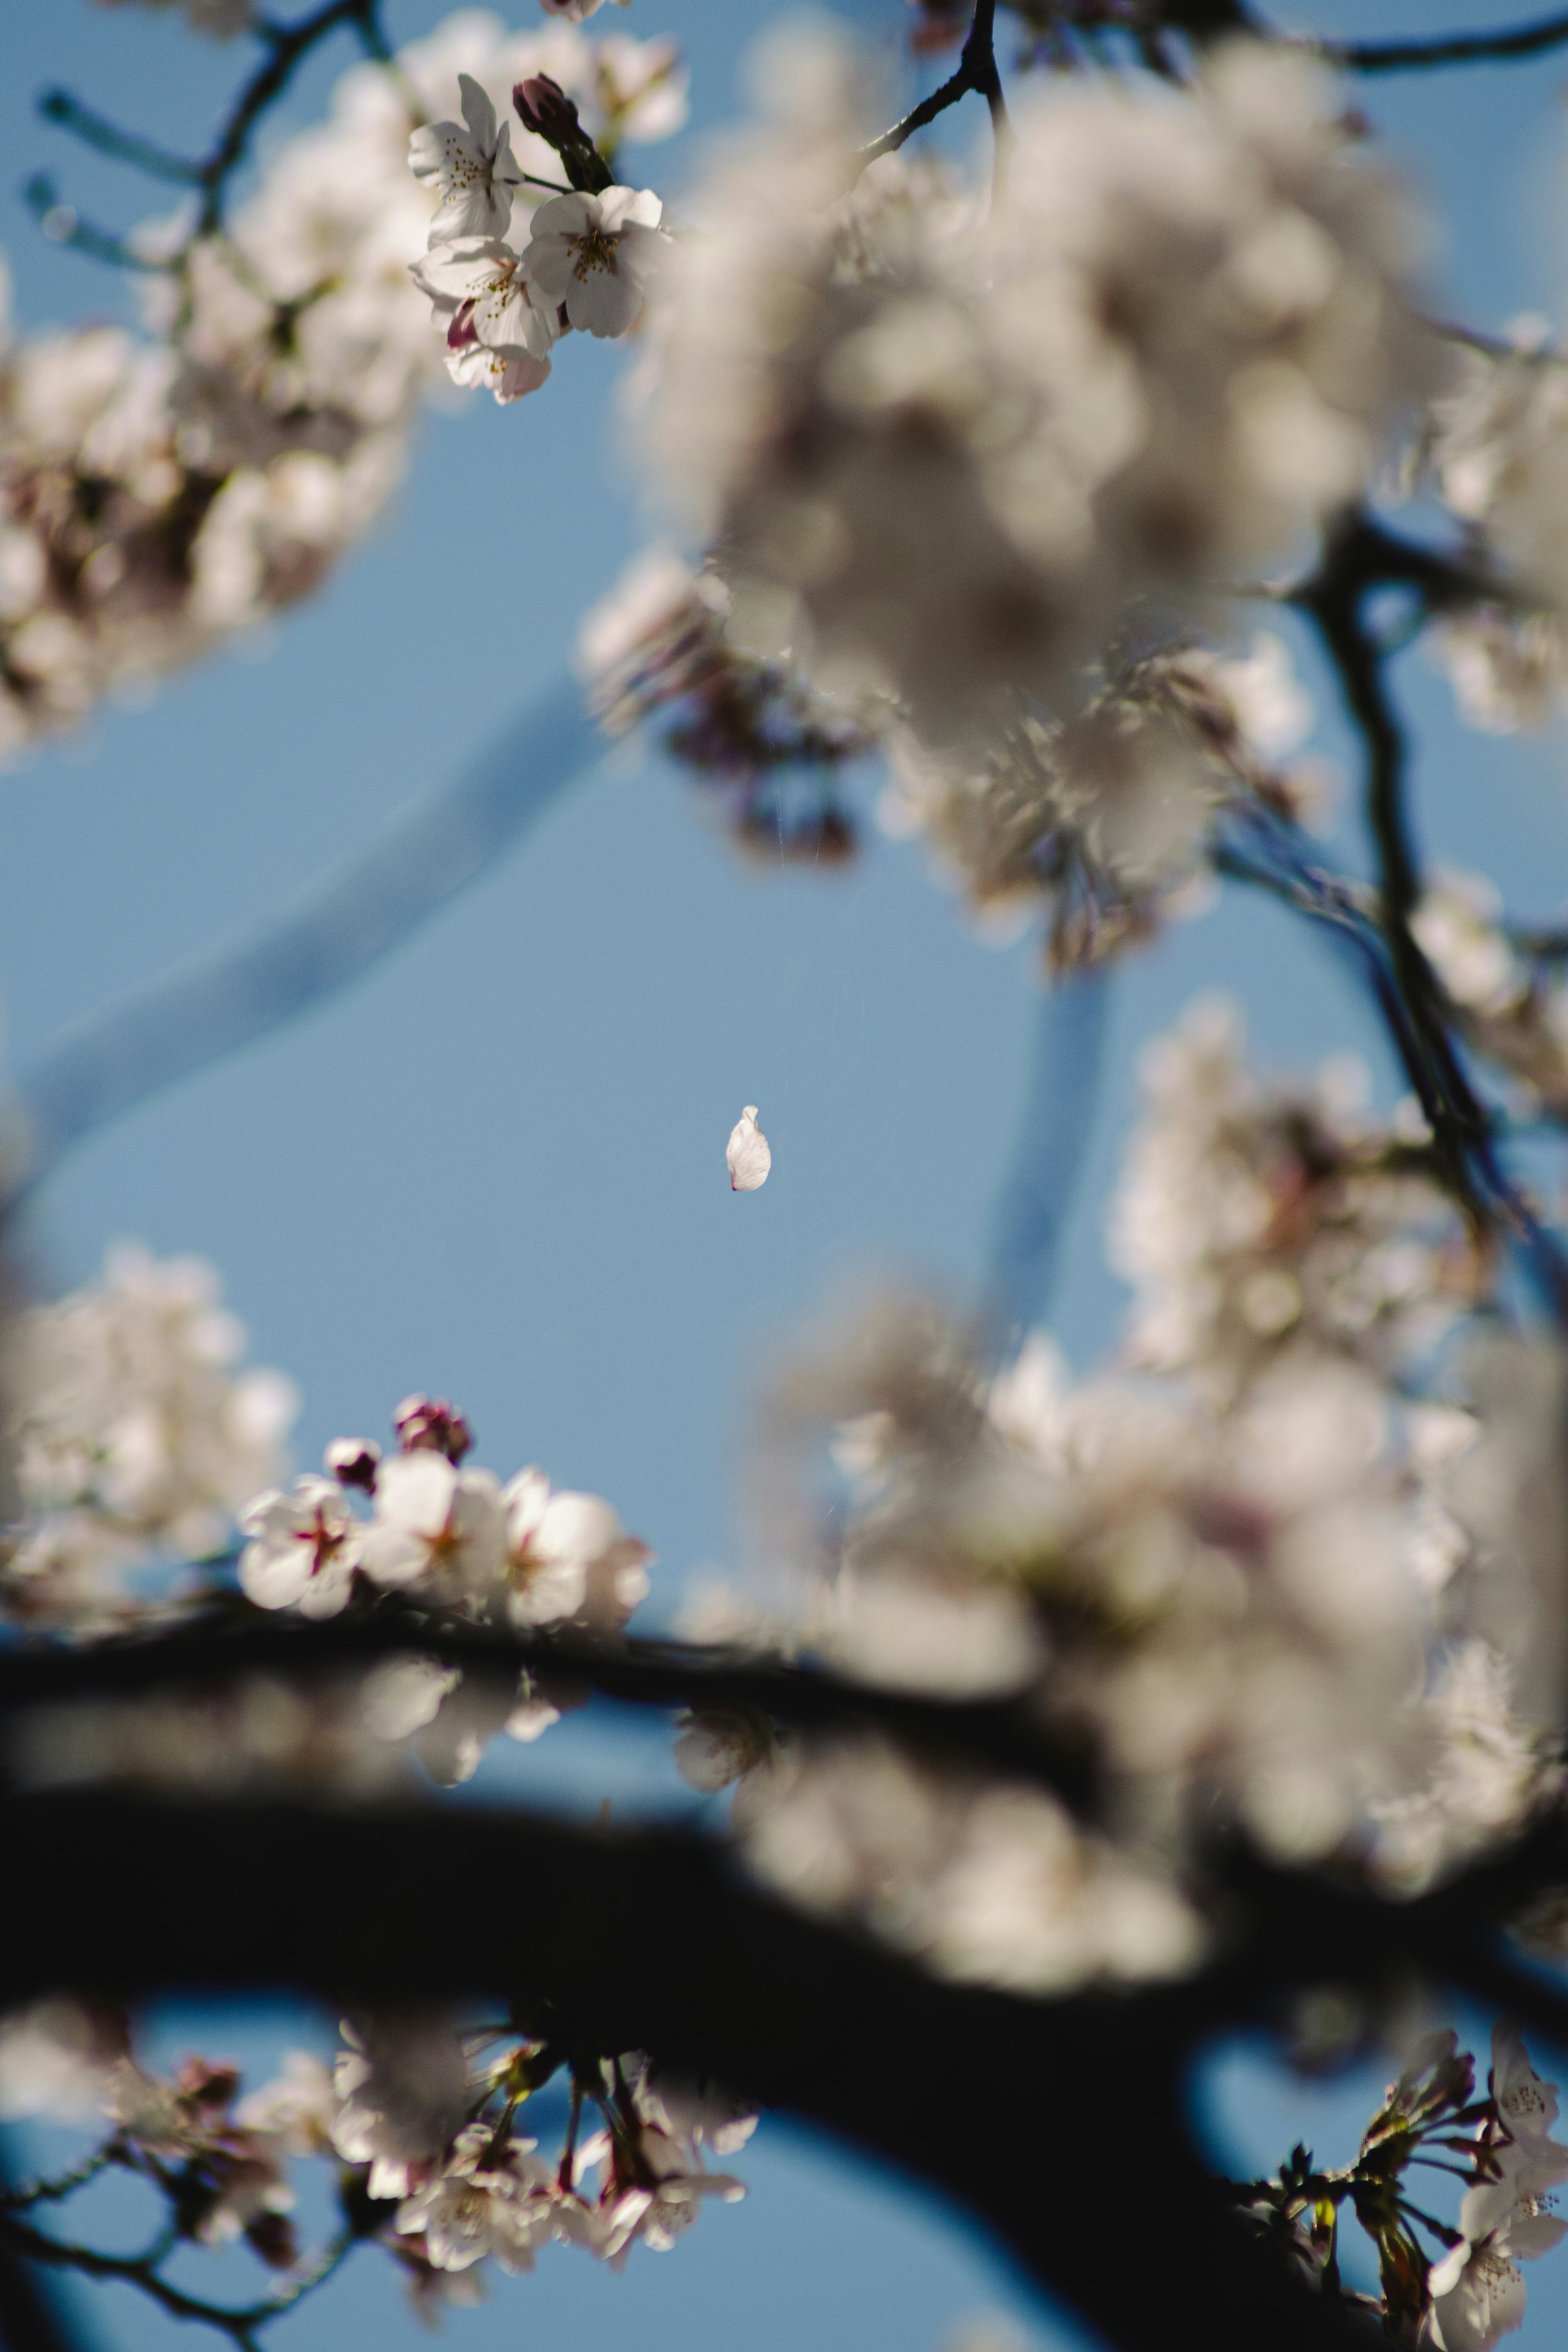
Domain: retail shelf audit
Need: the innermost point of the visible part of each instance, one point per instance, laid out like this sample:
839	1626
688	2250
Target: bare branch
1447	49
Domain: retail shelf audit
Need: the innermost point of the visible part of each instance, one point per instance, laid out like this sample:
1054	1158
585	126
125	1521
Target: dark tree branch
1447	49
285	46
1003	1736
29	2320
976	70
1019	2110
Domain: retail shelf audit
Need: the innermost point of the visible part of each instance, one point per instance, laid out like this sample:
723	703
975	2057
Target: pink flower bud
430	1425
352	1462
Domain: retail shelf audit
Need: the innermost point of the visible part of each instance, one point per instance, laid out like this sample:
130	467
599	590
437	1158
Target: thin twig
976	70
1447	49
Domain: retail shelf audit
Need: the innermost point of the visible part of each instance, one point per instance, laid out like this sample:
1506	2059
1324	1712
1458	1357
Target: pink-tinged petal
479	113
548	1593
520	373
462	332
621	207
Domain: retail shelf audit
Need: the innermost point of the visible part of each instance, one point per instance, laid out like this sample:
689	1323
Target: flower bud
430	1425
544	107
352	1462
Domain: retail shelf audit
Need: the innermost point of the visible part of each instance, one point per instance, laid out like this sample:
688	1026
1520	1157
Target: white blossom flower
298	2109
303	1549
599	255
553	1542
436	1524
489	2199
748	1155
404	2089
470	165
496	333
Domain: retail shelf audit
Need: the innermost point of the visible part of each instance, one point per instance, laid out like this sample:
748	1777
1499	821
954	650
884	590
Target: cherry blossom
496	333
597	256
471	168
435	1524
303	1550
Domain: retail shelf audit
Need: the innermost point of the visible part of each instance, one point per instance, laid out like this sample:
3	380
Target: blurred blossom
946	458
752	730
990	1885
220	19
1103	818
1254	1218
138	1438
1508	1007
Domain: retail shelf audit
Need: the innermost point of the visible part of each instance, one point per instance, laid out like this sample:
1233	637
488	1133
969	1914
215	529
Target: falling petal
748	1156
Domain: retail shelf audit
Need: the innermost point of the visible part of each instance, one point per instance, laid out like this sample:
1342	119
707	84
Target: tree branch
1450	49
1005	1735
976	70
651	1942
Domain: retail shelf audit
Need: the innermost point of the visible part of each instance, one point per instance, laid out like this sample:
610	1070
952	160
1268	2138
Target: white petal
479	113
747	1156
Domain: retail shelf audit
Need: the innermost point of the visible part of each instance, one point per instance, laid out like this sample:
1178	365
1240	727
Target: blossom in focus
434	1525
470	165
502	2202
599	255
748	1155
1477	2288
552	1543
303	1549
495	333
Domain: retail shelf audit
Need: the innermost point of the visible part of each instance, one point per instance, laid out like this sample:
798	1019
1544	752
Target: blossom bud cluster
446	1534
950	460
770	751
1510	1006
1473	2292
1496	450
1104	816
136	1439
157	496
1269	1574
417	2117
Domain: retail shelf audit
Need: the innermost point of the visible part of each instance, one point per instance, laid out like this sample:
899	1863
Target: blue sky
495	1169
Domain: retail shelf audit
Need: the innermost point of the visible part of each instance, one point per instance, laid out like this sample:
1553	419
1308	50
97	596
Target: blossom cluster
1274	1571
419	2114
770	749
1473	2294
1496	449
159	494
135	1439
1104	817
950	459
